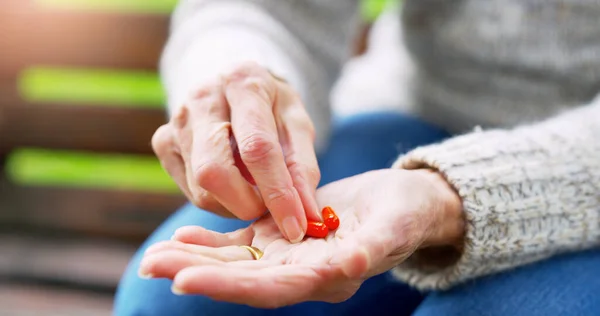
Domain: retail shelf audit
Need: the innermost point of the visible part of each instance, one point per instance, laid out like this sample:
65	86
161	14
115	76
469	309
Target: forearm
527	194
210	37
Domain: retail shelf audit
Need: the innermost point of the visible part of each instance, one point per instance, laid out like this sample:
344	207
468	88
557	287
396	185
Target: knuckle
239	74
279	196
246	69
207	90
180	119
257	148
202	199
252	78
217	134
207	102
162	139
300	120
255	85
207	173
312	173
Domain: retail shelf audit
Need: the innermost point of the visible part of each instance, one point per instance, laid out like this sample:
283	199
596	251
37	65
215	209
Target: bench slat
124	215
34	36
102	129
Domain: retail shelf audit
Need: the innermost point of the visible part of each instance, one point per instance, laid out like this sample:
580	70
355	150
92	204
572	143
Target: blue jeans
567	285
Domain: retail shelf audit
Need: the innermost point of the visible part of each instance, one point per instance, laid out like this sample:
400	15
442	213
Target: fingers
251	93
166	259
225	253
166	264
168	152
166	149
201	236
297	138
212	159
207	153
241	110
267	287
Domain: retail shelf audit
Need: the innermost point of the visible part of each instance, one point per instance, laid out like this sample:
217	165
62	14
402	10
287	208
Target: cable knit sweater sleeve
528	193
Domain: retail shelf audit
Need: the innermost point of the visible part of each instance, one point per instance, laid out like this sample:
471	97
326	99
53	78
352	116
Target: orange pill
316	229
330	218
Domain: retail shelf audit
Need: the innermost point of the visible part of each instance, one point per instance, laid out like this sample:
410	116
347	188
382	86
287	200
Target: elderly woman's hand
385	216
246	128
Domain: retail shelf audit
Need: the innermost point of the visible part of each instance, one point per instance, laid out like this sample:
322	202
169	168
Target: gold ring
256	253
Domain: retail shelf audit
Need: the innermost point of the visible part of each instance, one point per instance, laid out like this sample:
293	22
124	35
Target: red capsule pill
316	229
330	218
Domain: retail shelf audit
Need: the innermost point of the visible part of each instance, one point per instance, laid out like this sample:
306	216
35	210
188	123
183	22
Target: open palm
381	215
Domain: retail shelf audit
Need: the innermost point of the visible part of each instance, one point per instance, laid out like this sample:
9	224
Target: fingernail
292	229
319	214
177	291
312	202
173	237
145	276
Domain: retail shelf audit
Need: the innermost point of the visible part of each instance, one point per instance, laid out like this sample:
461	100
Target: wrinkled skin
242	144
385	216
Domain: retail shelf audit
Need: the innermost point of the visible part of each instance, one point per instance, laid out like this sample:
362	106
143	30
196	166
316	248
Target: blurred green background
102	87
39	84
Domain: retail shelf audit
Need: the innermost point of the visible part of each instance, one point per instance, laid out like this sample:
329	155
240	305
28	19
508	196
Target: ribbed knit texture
525	70
528	193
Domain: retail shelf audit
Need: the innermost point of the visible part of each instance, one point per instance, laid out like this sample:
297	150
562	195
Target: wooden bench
69	238
38	36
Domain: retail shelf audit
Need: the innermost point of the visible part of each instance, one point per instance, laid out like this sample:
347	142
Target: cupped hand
385	216
242	145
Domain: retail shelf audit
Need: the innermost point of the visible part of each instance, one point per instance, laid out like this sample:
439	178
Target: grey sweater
516	79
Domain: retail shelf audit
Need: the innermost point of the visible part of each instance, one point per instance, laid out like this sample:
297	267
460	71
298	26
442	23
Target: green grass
78	86
41	167
117	6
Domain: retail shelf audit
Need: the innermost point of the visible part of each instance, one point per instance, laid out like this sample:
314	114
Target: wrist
447	227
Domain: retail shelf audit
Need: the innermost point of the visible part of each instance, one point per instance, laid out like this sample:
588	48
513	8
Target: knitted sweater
523	74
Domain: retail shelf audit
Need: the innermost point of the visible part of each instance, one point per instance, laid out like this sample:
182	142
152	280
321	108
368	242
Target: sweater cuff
497	174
